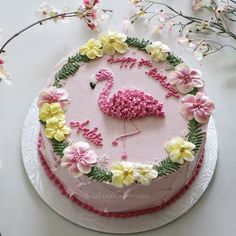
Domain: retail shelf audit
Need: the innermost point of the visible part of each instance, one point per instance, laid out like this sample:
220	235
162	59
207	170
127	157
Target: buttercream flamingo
125	104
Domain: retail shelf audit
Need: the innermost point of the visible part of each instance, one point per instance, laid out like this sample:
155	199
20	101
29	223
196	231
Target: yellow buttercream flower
180	150
113	42
145	173
92	49
48	111
123	173
158	51
57	129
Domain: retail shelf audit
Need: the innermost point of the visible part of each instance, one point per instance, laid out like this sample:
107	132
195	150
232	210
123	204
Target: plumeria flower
78	158
127	26
54	95
92	49
158	51
56	128
180	150
113	42
186	79
123	173
48	111
199	107
146	173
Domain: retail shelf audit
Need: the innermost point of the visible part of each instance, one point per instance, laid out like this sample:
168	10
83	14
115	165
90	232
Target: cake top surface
124	101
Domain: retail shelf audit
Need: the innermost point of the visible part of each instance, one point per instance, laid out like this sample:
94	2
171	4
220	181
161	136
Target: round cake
123	125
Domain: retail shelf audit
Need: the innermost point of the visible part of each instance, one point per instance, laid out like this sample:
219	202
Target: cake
123	123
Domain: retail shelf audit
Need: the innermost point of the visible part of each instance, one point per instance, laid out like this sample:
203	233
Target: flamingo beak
92	85
93	81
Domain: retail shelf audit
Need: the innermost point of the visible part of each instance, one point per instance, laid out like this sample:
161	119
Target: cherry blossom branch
40	22
220	23
92	16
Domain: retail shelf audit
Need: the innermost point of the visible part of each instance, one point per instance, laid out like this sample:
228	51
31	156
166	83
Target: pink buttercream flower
54	95
199	107
78	159
186	79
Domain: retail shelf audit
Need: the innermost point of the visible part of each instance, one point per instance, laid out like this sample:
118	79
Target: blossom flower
127	26
180	150
158	51
123	173
146	173
92	49
4	75
57	129
198	4
90	3
48	111
186	79
78	159
112	42
198	107
134	2
54	95
44	11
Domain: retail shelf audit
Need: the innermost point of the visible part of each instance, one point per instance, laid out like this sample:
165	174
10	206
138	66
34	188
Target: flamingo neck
103	97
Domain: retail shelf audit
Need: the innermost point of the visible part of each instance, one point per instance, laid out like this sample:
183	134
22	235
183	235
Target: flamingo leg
123	138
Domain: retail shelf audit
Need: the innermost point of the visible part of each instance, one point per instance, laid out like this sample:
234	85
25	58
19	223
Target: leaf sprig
166	167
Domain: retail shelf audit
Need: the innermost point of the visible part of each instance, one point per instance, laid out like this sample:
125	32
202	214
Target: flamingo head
102	74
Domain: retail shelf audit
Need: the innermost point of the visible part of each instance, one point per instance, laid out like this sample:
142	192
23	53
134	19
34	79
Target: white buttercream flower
158	51
123	173
180	150
145	173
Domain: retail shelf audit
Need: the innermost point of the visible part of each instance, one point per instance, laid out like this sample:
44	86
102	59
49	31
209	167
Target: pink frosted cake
123	125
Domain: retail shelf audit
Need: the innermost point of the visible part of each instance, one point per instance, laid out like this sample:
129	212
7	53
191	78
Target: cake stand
51	195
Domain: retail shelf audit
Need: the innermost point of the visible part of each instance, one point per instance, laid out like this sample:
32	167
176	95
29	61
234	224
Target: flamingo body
126	104
132	104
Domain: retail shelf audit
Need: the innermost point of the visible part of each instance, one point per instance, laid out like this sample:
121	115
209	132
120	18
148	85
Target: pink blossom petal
189	98
197	83
201	117
84	168
81	146
187	113
184	87
195	73
91	157
74	171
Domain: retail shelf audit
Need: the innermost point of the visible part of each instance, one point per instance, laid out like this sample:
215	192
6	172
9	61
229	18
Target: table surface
30	60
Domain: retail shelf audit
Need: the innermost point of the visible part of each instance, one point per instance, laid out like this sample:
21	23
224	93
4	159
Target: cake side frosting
122	122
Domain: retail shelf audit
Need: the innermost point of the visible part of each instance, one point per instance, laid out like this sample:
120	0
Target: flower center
182	150
127	173
186	78
54	98
197	106
76	157
143	172
111	40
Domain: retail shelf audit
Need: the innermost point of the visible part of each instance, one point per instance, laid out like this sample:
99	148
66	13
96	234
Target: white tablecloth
30	60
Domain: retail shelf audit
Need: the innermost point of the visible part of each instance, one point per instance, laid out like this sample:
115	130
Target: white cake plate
66	208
